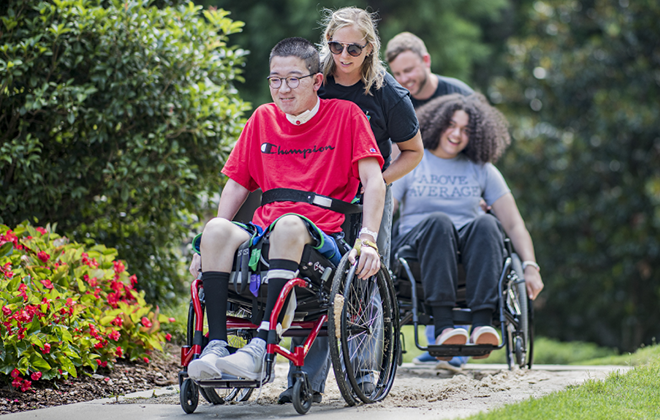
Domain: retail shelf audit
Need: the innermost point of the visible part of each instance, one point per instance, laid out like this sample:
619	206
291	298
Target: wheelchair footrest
464	350
229	383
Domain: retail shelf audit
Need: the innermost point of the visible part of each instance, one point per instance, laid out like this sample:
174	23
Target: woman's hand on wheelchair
368	264
533	282
195	265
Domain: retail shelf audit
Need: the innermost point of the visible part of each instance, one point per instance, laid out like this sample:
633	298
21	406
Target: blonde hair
373	70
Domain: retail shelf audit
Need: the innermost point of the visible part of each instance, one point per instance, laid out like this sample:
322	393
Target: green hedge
115	117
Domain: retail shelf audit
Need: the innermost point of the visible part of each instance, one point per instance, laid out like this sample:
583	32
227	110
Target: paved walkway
107	409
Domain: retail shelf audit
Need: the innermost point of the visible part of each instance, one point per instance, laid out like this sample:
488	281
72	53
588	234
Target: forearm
232	198
404	163
372	210
522	243
412	152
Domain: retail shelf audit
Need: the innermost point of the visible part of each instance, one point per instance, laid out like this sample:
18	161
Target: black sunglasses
353	50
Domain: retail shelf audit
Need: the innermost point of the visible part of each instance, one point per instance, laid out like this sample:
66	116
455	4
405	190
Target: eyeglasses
353	50
292	82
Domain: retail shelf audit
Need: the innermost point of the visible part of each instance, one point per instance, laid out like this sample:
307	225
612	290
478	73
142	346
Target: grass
633	395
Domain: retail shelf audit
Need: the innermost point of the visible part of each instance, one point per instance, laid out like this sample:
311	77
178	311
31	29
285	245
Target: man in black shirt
410	63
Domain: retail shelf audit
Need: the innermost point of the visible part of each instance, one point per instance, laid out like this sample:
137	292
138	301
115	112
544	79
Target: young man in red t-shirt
299	142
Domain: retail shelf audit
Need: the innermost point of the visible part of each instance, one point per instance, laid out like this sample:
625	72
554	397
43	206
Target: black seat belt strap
297	196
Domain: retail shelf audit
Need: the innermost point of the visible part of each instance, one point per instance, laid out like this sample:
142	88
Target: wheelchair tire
301	397
189	396
365	324
522	350
211	396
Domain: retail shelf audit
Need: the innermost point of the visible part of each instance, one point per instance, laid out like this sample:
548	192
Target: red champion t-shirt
321	156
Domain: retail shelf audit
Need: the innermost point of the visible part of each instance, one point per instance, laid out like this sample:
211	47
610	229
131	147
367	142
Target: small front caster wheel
189	396
302	397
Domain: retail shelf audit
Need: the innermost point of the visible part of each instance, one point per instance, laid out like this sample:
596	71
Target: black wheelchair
359	316
514	315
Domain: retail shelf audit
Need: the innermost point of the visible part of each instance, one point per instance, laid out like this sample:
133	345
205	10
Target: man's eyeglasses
292	82
353	50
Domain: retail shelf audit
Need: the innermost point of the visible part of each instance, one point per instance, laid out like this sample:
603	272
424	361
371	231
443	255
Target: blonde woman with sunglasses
352	71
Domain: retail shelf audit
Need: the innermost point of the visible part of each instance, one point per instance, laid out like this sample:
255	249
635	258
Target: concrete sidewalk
109	409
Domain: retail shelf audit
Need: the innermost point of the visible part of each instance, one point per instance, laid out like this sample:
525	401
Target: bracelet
532	263
369	232
359	243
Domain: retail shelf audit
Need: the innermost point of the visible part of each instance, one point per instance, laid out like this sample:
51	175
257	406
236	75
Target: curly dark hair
487	127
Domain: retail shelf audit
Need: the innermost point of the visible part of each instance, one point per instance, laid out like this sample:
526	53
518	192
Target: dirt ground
429	392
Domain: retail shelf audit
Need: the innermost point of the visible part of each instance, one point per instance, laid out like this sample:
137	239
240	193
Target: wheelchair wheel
301	397
210	395
521	339
189	396
364	334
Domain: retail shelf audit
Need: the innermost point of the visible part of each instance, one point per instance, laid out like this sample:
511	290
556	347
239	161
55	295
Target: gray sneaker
247	362
205	367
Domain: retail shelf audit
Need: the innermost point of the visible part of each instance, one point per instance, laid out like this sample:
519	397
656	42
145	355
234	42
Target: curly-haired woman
441	219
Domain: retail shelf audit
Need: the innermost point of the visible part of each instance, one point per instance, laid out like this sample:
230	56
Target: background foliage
459	34
114	117
582	96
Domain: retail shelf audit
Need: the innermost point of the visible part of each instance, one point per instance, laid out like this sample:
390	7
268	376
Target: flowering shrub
64	308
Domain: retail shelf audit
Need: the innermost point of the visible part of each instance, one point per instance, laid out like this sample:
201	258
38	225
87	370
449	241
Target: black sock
482	318
275	286
443	317
216	285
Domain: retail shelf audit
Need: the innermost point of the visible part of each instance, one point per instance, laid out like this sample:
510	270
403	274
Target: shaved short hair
298	47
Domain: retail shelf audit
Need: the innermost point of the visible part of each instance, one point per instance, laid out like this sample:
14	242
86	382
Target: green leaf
38	362
6	249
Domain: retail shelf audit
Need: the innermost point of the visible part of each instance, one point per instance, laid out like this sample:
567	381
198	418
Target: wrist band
359	243
369	232
532	263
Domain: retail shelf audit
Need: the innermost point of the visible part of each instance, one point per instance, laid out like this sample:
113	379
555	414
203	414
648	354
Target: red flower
98	345
15	373
117	286
113	298
168	336
6	311
102	363
26	385
172	320
117	321
47	284
22	288
118	266
115	335
133	280
46	349
119	352
16	383
36	376
41	230
146	359
145	321
43	256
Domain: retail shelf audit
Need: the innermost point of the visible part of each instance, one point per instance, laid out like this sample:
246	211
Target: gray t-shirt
452	186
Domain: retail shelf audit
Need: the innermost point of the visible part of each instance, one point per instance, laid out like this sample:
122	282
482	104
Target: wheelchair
359	316
513	316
